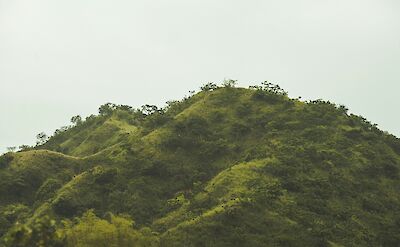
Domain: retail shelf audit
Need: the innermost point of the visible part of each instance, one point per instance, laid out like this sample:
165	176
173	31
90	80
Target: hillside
226	166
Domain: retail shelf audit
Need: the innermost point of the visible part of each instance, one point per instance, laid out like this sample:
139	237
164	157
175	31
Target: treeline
151	116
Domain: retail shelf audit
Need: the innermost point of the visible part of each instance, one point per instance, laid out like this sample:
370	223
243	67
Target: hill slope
225	167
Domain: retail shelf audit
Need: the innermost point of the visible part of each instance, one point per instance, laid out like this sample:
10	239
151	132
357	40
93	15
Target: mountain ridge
224	167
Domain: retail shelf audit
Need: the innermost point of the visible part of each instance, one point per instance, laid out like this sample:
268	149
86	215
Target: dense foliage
224	167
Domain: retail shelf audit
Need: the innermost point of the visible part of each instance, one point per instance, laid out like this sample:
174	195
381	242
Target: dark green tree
107	109
41	138
24	147
229	83
77	120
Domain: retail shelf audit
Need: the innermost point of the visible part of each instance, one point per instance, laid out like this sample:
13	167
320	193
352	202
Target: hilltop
226	166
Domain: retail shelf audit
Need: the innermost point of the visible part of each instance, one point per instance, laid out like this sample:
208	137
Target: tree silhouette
41	138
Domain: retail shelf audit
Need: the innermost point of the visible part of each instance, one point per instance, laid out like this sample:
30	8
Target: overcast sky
62	58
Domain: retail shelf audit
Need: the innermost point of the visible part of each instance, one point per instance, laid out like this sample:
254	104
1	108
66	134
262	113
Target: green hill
224	167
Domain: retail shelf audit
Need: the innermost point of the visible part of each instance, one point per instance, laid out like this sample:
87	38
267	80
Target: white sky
62	58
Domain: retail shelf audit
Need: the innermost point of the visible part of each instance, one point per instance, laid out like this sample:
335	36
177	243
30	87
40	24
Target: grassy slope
231	167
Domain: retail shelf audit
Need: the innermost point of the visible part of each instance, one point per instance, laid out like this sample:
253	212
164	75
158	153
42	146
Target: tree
41	138
24	147
124	108
273	88
208	87
229	83
77	120
343	109
107	109
150	109
11	149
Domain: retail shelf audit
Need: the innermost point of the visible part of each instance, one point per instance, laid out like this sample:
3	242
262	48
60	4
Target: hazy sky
62	58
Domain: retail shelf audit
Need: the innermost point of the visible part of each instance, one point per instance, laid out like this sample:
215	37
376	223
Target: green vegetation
226	166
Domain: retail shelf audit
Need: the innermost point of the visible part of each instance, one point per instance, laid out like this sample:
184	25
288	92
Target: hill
224	167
